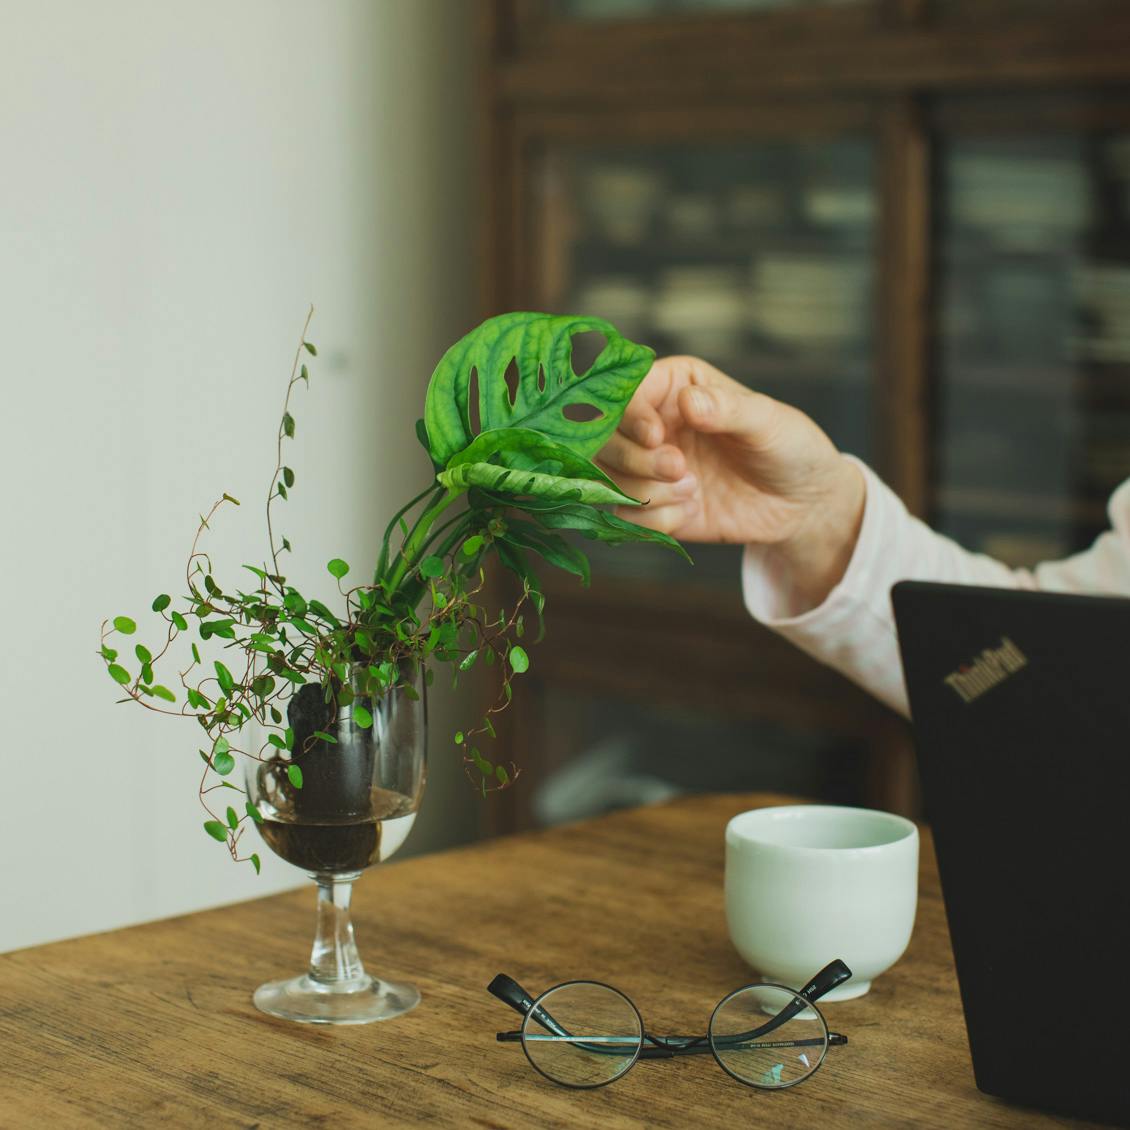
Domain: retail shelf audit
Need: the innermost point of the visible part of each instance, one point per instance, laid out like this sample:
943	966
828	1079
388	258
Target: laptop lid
1021	709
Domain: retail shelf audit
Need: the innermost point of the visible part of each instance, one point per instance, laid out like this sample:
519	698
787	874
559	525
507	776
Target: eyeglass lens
582	1034
768	1036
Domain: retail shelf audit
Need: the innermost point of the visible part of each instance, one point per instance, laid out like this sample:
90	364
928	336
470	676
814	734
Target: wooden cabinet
910	219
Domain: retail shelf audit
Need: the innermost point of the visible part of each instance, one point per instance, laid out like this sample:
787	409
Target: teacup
809	883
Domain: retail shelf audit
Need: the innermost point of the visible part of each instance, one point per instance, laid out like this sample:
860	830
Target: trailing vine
519	477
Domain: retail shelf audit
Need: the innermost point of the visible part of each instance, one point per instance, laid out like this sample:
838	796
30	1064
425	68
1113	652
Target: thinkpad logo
987	670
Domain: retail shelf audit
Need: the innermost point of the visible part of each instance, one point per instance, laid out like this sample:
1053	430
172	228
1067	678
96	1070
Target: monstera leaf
519	461
541	348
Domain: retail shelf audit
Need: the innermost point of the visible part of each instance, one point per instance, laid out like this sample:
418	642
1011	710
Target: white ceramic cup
809	883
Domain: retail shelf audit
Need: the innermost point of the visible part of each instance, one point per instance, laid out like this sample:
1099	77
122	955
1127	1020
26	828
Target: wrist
815	558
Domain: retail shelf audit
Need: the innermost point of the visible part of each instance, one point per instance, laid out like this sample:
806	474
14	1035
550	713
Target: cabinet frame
878	67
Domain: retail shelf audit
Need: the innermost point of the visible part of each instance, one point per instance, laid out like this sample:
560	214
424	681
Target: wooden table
153	1026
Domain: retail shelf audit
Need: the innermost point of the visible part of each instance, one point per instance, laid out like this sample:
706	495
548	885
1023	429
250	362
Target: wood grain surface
153	1026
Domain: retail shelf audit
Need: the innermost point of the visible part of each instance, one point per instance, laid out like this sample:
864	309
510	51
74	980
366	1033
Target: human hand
718	462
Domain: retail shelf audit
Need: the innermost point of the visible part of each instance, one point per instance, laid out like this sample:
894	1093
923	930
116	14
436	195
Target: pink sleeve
853	630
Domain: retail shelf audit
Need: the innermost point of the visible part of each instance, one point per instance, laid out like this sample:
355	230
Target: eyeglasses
587	1034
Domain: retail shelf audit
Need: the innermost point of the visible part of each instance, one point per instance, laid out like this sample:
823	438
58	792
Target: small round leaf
337	568
294	775
216	830
125	625
519	660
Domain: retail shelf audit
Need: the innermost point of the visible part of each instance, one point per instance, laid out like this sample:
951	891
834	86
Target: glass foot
354	1002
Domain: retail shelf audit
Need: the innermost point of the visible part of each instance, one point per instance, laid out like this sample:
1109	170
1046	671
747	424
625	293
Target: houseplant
325	705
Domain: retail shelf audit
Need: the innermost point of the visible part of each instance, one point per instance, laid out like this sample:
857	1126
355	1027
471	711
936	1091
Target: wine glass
351	803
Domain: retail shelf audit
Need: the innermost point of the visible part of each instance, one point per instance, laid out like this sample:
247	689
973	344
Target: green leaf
162	602
468	661
109	654
362	717
541	347
282	491
143	653
431	566
515	560
502	775
422	436
255	862
458	737
254	813
223	762
179	622
216	830
227	683
165	693
600	525
288	476
125	625
337	568
276	741
288	424
555	549
294	775
519	660
233	819
309	347
518	461
196	653
472	545
118	673
323	736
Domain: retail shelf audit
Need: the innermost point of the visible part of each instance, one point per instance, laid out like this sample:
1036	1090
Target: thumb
727	409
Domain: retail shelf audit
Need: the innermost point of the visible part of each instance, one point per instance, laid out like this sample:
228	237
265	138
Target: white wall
177	182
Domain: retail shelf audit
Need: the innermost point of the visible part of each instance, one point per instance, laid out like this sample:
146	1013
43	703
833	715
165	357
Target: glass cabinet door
758	257
1032	367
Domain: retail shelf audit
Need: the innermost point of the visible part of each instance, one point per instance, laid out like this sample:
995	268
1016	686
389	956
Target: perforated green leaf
541	346
522	461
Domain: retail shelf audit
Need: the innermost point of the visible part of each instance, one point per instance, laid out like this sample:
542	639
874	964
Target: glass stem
334	960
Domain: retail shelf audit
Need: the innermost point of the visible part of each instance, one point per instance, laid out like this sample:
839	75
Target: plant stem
416	541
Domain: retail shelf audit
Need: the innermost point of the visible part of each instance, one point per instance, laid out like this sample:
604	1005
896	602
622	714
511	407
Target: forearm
852	628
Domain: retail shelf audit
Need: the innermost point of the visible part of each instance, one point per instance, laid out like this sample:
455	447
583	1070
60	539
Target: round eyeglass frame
643	1035
796	996
582	1086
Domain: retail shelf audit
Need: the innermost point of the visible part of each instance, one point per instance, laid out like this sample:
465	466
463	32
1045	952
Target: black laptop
1021	708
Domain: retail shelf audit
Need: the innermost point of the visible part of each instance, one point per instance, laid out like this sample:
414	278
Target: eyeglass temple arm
507	990
833	974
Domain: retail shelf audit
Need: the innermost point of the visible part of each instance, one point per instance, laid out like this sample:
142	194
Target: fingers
656	494
730	408
668	519
623	456
641	421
